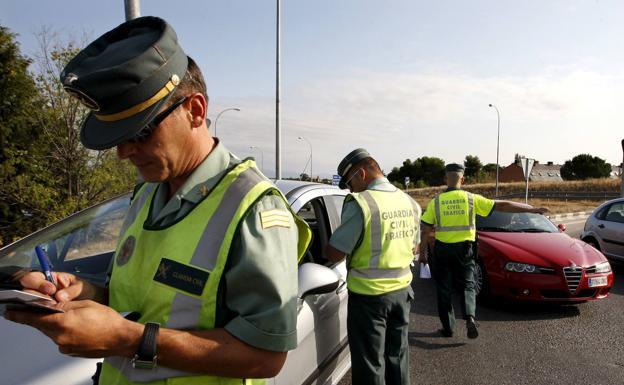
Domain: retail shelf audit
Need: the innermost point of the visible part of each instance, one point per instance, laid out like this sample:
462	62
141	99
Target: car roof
292	190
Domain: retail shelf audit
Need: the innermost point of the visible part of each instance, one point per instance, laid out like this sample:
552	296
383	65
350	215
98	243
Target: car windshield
516	222
82	243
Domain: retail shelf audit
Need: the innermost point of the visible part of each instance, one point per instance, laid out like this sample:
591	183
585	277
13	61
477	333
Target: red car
526	257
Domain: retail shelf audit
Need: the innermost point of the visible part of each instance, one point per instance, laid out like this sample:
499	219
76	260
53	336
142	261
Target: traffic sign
527	166
335	180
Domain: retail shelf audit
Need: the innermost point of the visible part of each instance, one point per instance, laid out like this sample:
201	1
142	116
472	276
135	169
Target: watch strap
145	358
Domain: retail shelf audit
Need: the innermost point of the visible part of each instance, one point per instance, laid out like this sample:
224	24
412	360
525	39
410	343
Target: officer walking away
379	234
452	214
207	257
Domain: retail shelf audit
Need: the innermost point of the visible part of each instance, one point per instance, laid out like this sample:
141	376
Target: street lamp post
261	156
497	144
622	171
309	144
133	9
217	118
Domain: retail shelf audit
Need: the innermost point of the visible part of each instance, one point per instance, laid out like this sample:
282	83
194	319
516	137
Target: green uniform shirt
265	317
348	235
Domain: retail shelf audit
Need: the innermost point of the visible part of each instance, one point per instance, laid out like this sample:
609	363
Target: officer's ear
197	108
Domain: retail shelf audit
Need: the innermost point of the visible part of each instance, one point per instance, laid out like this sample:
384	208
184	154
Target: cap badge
83	98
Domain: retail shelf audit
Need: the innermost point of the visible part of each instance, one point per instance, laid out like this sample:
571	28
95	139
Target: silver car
604	229
84	243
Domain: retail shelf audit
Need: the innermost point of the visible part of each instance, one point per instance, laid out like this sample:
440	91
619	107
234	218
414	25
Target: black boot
471	328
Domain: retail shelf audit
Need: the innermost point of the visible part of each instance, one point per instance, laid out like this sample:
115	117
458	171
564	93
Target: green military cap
124	77
352	159
454	167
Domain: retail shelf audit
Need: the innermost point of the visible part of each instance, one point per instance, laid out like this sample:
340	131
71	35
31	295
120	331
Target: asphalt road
521	343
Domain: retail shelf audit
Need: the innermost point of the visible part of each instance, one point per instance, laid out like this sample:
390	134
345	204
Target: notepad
22	300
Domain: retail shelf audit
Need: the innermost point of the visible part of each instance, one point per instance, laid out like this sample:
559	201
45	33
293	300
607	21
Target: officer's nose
125	150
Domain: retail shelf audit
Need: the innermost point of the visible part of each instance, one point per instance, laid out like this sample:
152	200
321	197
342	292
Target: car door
322	354
611	230
82	244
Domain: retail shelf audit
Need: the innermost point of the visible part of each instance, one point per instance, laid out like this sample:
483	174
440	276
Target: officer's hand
422	257
86	329
540	210
68	286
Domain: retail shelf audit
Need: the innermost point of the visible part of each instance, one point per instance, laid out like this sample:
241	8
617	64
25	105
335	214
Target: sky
401	78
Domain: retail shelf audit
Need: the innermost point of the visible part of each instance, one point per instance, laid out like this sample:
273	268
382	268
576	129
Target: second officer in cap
379	234
452	215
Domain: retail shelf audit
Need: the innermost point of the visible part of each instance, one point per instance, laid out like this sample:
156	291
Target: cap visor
101	135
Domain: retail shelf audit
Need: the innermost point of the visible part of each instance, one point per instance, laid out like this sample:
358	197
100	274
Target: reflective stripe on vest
440	228
372	273
375	227
223	209
381	263
141	196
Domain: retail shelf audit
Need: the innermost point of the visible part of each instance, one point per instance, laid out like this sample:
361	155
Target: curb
577	215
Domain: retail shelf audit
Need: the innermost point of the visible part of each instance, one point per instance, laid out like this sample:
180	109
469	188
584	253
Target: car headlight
603	267
517	267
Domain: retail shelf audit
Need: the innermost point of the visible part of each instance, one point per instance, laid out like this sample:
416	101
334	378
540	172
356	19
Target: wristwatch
145	357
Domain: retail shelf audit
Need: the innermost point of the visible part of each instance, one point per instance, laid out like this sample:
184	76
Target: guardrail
565	195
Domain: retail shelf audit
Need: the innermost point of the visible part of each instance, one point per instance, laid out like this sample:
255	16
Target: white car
604	229
83	244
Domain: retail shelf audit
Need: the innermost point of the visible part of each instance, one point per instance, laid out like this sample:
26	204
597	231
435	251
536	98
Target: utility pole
622	171
278	126
133	9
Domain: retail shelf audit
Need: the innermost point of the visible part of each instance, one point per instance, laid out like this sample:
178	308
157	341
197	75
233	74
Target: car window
334	209
82	244
315	214
615	213
516	222
602	212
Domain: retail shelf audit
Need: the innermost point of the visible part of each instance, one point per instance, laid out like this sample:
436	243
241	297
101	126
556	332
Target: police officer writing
379	234
208	253
452	215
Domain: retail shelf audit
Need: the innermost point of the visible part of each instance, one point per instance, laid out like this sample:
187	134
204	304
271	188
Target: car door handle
601	226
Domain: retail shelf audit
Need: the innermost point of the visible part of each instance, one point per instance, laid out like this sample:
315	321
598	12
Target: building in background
548	172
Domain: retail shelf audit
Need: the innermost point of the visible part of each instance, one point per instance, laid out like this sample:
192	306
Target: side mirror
316	279
561	227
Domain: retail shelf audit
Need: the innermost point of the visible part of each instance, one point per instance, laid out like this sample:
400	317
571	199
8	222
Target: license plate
598	281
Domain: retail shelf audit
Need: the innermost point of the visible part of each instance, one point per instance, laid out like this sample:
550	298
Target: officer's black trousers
378	328
453	263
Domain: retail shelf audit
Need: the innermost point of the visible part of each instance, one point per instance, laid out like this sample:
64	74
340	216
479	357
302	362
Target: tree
472	166
490	169
52	175
585	166
18	96
425	171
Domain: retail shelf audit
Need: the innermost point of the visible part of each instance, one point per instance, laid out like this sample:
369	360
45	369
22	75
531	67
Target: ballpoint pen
45	264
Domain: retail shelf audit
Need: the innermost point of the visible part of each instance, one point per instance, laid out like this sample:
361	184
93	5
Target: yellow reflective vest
381	262
171	275
453	213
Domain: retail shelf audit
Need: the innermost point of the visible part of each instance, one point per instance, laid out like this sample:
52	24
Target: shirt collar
378	182
198	184
207	174
452	189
